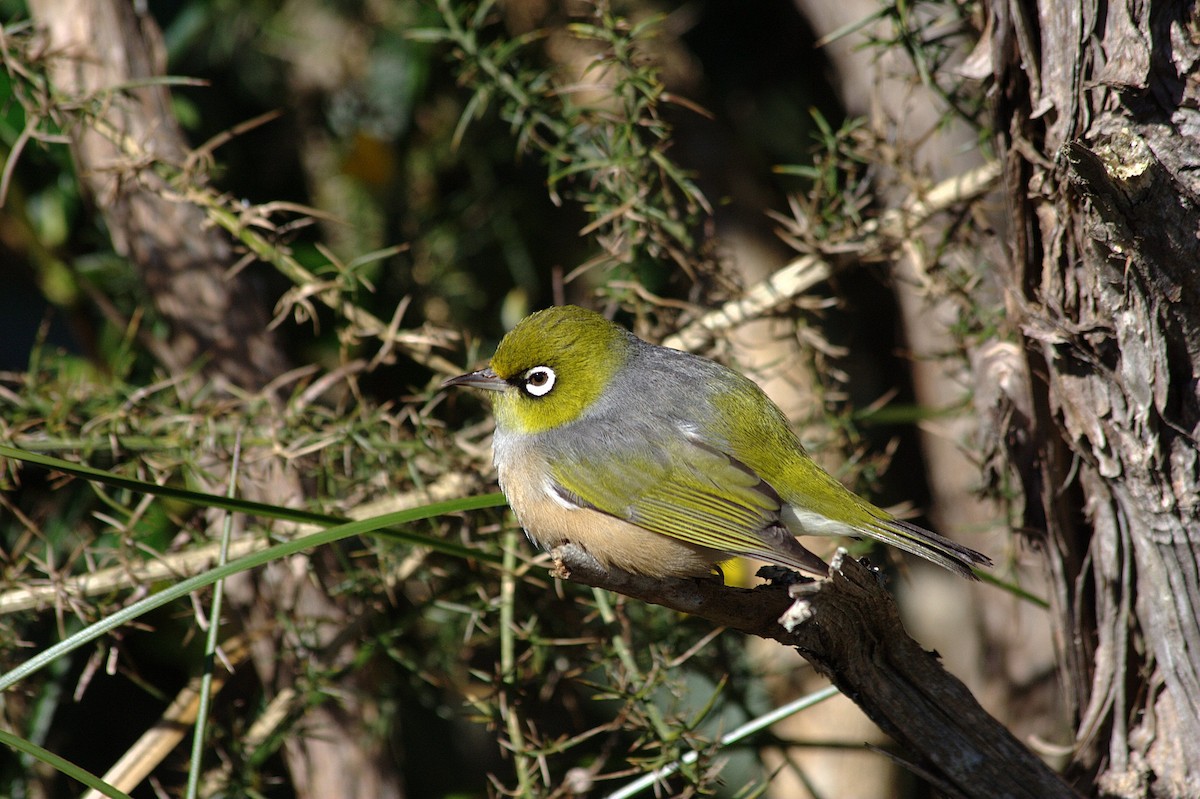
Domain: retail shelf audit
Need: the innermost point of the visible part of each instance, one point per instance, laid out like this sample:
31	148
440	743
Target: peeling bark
1099	122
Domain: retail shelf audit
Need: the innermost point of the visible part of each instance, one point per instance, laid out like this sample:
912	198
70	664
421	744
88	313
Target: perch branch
848	627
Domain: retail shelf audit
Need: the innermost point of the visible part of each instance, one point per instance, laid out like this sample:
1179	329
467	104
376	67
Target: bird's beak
484	378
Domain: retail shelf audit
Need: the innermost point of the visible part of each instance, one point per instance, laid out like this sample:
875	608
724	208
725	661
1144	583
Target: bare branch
808	270
848	627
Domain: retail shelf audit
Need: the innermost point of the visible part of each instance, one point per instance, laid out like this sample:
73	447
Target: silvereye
660	462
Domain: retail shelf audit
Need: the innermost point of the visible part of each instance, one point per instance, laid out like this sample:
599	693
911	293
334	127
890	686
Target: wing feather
686	489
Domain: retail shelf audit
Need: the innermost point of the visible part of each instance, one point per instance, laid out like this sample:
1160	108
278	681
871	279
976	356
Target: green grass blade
185	587
1012	588
236	505
60	763
171	492
210	641
751	727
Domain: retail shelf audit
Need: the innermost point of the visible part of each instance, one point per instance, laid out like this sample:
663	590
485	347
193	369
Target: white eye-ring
539	381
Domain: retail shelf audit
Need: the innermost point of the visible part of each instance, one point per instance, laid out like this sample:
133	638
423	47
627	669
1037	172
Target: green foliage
839	186
600	134
391	207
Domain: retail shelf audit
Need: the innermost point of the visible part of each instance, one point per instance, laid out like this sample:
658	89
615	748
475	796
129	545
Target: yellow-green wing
686	489
758	435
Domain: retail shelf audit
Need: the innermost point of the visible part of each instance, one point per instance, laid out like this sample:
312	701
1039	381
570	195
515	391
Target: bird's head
551	368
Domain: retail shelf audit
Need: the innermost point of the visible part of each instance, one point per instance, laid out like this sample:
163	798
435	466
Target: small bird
663	463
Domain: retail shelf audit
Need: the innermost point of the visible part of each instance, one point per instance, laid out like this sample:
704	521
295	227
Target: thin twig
745	730
808	270
178	565
156	743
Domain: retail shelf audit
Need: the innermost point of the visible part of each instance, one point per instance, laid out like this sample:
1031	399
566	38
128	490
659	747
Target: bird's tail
929	545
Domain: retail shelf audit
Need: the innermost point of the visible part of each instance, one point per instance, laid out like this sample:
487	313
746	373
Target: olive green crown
583	348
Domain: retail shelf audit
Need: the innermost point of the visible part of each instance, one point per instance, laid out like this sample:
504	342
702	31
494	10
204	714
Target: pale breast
550	520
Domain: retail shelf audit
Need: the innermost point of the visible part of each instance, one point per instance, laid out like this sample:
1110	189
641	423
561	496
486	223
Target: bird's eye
539	381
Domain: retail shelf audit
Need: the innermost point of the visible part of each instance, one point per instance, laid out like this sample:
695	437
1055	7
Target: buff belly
551	521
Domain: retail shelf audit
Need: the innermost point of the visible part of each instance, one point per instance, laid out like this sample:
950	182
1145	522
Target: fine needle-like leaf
234	504
185	587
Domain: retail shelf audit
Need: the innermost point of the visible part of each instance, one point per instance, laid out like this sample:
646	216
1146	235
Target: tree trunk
1098	122
104	50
